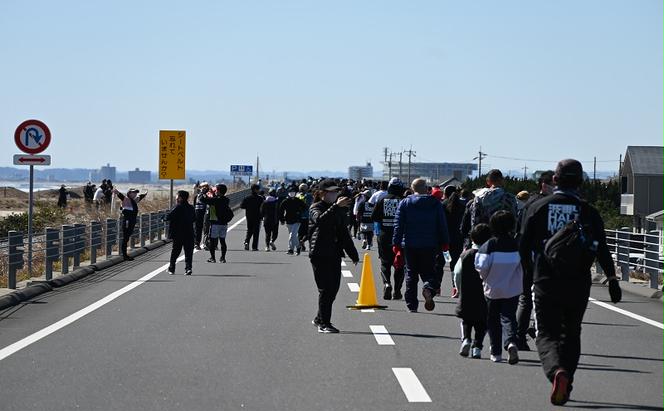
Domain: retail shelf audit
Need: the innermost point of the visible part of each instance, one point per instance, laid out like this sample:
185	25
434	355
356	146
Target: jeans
178	245
419	264
293	241
480	331
327	274
501	322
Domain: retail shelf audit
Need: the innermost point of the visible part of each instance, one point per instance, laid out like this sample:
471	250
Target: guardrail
58	250
640	252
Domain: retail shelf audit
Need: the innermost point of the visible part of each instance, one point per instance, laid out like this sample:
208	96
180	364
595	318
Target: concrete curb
641	290
17	297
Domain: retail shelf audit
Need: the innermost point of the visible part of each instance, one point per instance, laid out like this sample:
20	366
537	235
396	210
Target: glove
445	247
614	291
396	249
398	262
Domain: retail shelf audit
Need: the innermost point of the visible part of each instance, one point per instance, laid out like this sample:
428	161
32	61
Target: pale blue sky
314	85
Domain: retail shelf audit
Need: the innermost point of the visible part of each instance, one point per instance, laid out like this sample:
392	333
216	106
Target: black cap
569	172
328	185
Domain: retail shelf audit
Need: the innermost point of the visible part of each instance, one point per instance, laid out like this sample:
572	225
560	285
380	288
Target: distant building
359	172
434	173
139	176
107	172
642	178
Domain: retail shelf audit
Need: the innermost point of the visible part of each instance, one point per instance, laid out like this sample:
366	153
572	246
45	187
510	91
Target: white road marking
381	335
368	310
411	385
354	287
343	263
44	332
627	313
347	273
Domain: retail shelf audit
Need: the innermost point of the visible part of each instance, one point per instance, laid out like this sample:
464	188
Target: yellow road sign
172	145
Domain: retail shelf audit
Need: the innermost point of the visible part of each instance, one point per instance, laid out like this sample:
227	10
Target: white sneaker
477	353
171	272
512	354
465	348
496	358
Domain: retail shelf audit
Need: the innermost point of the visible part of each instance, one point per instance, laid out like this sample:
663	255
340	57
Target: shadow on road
596	405
622	357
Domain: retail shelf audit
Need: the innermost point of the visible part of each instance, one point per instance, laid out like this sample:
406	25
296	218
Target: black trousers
303	232
128	225
213	247
327	273
525	308
501	322
253	230
178	245
200	217
271	232
386	256
480	331
559	310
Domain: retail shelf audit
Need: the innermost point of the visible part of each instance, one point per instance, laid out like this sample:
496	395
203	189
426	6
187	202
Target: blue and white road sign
240	170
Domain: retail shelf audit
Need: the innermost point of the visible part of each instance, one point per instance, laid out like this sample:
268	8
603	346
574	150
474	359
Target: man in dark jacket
129	213
328	239
181	231
290	211
200	208
220	215
384	213
252	207
421	229
561	293
270	216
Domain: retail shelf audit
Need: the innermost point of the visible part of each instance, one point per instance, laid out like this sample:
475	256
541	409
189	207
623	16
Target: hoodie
269	211
420	223
499	265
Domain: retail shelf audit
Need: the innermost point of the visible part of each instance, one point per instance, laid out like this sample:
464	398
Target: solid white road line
354	287
410	385
44	332
347	273
381	335
627	313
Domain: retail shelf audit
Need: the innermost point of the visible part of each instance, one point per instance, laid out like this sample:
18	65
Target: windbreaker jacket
420	223
328	232
499	265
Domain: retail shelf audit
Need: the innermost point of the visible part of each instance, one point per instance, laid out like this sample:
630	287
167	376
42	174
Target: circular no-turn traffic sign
32	136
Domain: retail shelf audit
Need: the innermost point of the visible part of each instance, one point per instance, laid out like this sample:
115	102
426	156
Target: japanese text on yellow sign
172	154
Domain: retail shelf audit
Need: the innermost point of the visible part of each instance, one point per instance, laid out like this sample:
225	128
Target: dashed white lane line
627	313
411	385
45	332
343	263
354	287
381	335
347	273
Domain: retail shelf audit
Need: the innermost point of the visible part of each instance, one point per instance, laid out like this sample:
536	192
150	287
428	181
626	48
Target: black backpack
572	249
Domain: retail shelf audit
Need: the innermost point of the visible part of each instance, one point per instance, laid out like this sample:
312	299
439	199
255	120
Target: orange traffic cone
367	296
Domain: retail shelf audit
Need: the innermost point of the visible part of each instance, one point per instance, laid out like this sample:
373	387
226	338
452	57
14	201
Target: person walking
181	230
329	238
62	196
290	211
420	230
384	214
364	212
454	210
491	199
499	265
129	213
270	216
305	196
252	207
98	197
565	235
220	214
200	208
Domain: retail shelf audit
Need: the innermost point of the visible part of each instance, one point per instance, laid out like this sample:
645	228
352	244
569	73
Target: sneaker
477	353
496	358
246	247
197	247
211	260
171	272
512	354
187	272
429	304
222	260
327	329
267	248
455	293
522	344
316	322
561	388
274	247
298	251
289	252
465	348
387	292
364	244
397	295
412	311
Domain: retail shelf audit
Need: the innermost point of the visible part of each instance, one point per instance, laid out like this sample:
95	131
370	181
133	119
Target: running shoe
561	388
327	329
246	247
465	348
496	358
211	260
387	292
477	353
397	295
187	272
512	354
274	247
429	304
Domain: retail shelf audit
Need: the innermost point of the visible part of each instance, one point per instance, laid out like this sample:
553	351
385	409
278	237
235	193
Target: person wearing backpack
491	199
220	215
565	235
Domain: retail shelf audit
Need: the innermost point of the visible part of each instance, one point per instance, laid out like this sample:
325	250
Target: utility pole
411	153
594	169
389	167
525	169
257	164
385	156
620	167
400	172
479	158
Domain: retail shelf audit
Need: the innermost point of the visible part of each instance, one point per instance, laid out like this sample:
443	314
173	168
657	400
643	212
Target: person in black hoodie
384	213
290	211
471	307
252	207
220	215
328	239
270	216
454	211
200	209
181	231
129	212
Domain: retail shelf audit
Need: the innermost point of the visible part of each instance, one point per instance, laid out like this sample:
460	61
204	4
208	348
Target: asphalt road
238	336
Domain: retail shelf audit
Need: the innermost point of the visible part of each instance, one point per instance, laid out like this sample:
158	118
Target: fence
57	251
637	252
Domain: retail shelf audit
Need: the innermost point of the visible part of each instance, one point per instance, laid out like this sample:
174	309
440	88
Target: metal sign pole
170	199
30	201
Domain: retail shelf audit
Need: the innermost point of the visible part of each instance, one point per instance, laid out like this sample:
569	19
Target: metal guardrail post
52	250
166	224
143	221
111	236
79	243
95	240
68	237
15	257
153	226
622	252
652	261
